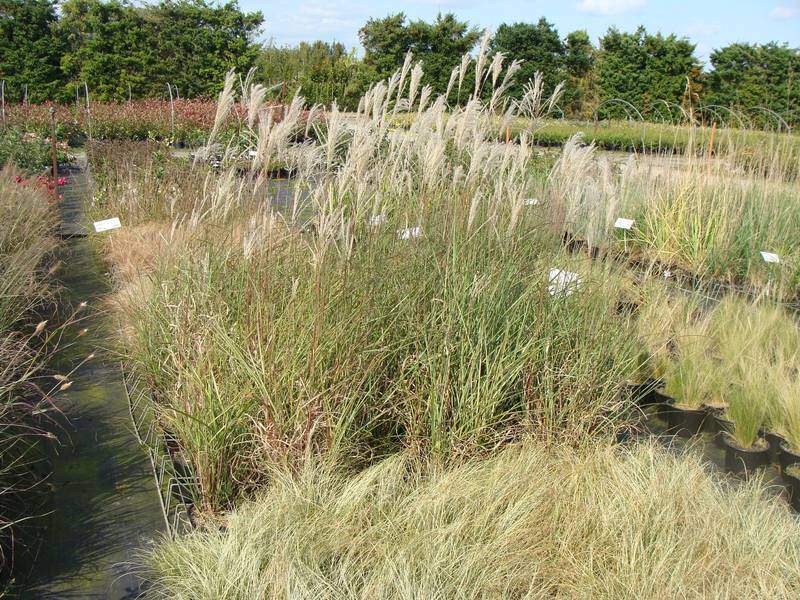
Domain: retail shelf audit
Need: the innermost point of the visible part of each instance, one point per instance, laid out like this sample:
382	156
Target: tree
106	47
323	72
196	43
644	70
30	49
579	62
540	49
440	45
115	46
746	76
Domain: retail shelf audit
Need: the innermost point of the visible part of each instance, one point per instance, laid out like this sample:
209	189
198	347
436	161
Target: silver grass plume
451	82
416	77
480	62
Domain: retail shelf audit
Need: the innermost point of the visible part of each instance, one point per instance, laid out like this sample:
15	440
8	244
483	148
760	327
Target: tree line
123	50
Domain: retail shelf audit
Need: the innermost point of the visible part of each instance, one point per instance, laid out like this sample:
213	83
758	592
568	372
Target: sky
708	23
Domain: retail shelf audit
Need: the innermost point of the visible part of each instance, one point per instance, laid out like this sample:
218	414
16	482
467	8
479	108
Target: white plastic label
563	281
532	202
252	153
409	233
377	219
107	225
623	223
770	257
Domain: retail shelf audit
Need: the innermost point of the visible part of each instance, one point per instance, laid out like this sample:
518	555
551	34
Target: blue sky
710	24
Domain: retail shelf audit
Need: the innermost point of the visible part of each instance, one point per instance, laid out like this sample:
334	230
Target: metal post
171	112
3	101
88	111
54	148
25	98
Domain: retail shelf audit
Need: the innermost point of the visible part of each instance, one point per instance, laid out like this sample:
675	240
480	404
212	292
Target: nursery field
405	353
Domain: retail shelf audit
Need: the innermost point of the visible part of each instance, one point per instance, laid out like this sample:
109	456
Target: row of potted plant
732	369
185	121
693	216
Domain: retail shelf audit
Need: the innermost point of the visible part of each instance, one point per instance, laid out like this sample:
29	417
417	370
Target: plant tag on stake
409	233
532	202
107	225
376	220
623	223
564	282
770	257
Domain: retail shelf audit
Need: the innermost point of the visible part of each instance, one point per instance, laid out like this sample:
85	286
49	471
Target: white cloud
319	19
783	12
608	7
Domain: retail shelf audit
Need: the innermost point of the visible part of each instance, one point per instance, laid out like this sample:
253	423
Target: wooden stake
171	111
711	138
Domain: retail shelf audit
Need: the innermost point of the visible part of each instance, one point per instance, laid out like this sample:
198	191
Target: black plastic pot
662	404
743	460
644	394
775	442
793	485
574	245
787	456
684	422
717	423
625	434
627	308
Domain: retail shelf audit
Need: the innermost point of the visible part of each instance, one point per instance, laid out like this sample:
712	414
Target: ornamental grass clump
26	224
401	301
785	420
692	376
748	400
526	522
447	346
692	215
757	343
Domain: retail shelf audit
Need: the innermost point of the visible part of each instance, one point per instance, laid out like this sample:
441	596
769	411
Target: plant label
623	223
409	233
770	257
564	282
107	225
376	220
532	202
252	153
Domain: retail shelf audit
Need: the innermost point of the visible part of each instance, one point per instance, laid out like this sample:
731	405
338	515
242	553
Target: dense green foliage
121	49
125	49
747	76
30	153
441	44
321	71
539	46
643	69
29	49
